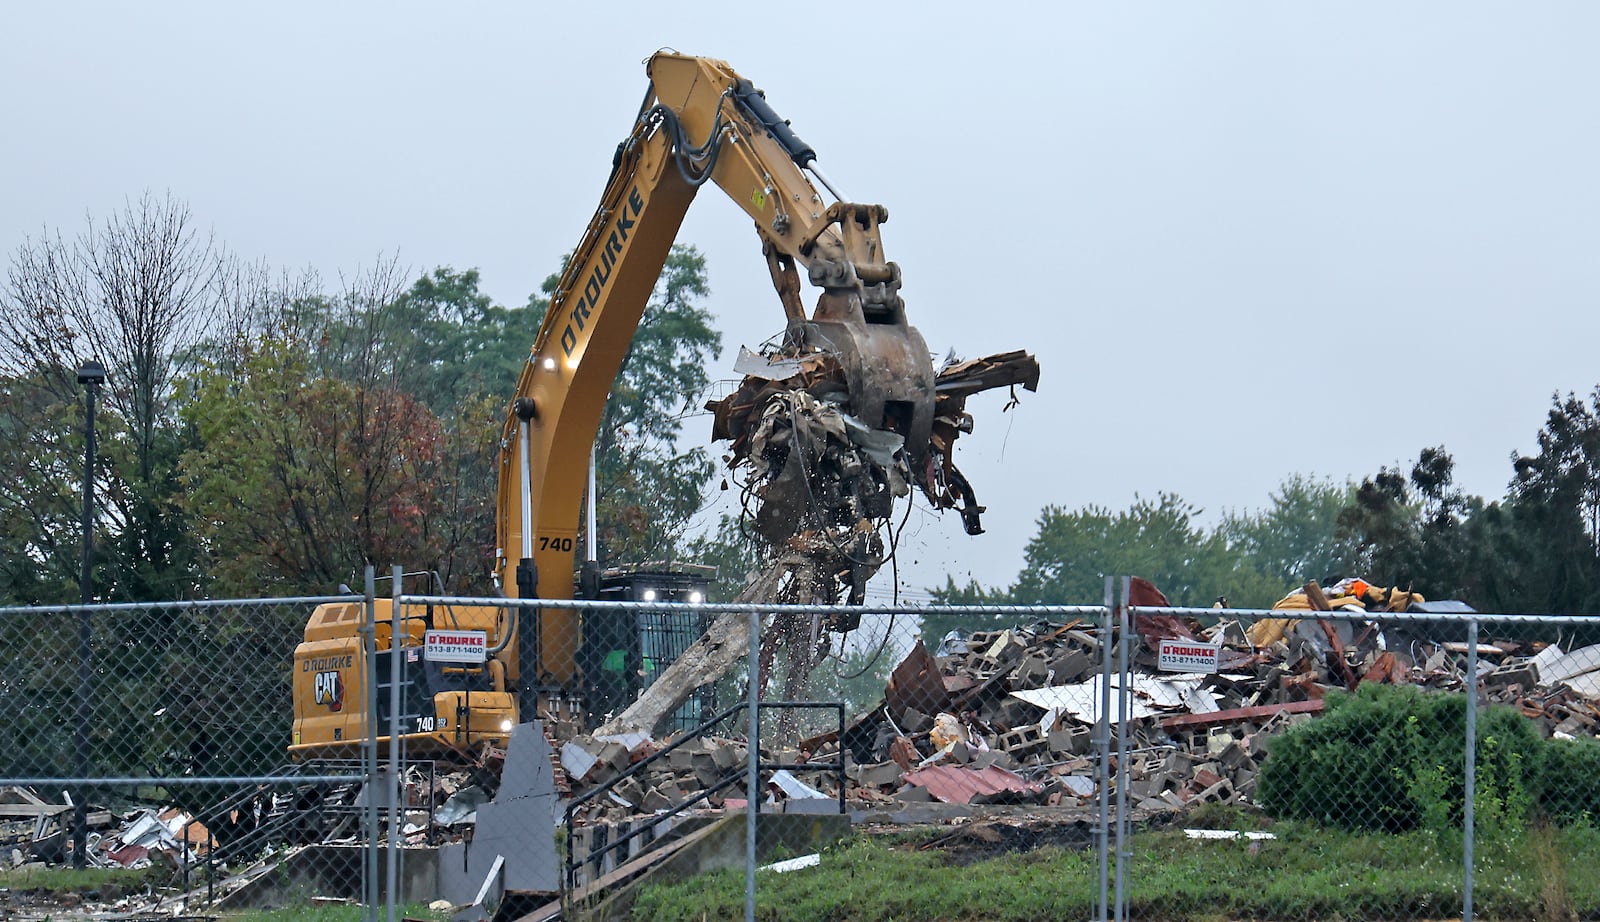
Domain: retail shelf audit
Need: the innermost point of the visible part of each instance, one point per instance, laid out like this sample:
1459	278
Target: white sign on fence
1188	656
456	646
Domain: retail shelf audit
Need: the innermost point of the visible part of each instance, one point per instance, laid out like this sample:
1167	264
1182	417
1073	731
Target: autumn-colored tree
302	483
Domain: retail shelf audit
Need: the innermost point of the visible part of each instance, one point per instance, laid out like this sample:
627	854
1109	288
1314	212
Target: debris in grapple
822	480
820	483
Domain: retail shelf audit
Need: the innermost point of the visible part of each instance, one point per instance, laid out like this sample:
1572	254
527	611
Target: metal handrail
570	866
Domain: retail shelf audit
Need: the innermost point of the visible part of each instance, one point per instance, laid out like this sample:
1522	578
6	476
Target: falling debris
820	486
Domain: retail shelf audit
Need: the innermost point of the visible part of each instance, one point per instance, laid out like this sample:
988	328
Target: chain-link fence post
752	766
369	744
392	856
1469	789
1124	715
1102	748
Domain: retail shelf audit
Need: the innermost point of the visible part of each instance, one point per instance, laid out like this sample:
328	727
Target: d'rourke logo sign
456	646
1187	656
595	285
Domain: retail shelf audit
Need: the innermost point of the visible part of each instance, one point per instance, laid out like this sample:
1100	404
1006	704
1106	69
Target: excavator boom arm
702	122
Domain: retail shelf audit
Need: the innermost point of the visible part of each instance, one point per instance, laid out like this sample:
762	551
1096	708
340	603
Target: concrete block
1235	756
996	757
1073	740
1032	672
631	791
1524	674
1070	665
1084	642
983	668
1023	740
672	791
613	754
912	794
706	772
728	758
981	640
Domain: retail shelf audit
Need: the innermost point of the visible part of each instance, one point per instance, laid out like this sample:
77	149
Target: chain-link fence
157	740
1165	762
1274	764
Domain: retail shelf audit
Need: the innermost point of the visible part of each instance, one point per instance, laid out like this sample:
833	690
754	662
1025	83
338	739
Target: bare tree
140	291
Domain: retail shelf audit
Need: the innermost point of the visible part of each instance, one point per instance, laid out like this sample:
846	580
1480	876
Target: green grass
69	880
1306	873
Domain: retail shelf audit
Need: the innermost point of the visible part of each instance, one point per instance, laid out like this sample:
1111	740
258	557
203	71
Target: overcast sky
1244	239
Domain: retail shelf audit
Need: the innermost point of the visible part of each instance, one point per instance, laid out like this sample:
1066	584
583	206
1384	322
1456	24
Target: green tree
459	345
1294	539
732	550
41	445
935	627
1067	560
1415	530
1550	531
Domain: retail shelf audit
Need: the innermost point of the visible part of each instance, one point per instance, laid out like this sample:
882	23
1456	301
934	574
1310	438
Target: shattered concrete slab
516	829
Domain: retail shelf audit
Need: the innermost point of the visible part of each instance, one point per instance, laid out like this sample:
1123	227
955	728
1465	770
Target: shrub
1390	758
1568	790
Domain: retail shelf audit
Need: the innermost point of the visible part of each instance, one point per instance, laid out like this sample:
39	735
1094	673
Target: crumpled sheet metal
957	784
1152	696
1154	628
916	683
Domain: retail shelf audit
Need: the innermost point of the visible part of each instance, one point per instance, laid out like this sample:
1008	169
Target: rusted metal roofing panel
957	784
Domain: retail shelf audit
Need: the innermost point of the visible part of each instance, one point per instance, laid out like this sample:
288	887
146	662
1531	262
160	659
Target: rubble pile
1009	716
1004	716
35	831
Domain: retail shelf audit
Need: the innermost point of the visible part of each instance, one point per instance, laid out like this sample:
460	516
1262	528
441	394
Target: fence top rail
188	604
181	780
1345	615
1071	611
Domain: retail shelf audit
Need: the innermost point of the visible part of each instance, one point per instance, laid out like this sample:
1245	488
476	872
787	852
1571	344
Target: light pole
91	375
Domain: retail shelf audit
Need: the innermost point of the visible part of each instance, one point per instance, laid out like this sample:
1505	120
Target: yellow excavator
700	122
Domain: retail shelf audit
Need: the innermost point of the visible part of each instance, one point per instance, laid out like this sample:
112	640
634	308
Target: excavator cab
623	651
